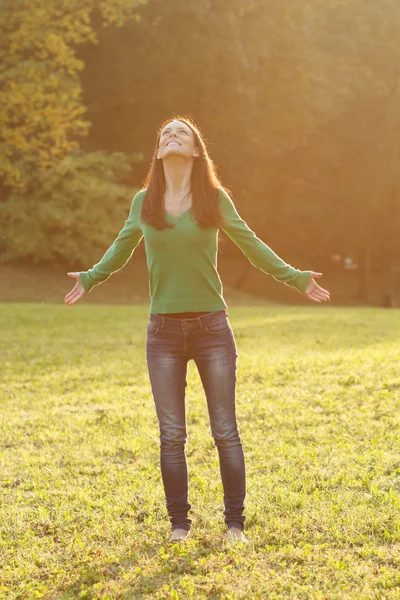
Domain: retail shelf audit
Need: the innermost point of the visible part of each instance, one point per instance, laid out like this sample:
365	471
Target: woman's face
177	139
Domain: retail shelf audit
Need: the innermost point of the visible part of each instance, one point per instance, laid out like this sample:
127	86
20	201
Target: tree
243	70
42	115
68	212
51	192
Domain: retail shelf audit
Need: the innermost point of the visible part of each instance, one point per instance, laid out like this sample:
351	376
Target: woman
179	213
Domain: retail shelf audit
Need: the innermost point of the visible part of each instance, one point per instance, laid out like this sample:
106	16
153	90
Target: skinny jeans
209	340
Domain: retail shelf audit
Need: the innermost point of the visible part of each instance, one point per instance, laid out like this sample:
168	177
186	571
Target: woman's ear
196	152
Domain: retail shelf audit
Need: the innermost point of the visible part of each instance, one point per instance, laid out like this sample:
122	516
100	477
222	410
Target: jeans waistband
178	322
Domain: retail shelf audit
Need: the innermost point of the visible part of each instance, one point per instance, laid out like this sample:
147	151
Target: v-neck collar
178	216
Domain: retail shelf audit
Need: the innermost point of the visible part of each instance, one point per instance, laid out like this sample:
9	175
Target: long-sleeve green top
182	261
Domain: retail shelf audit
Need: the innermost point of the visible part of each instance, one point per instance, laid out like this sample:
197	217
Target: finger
315	289
312	297
318	287
320	293
317	275
325	295
323	298
74	275
72	301
74	289
74	298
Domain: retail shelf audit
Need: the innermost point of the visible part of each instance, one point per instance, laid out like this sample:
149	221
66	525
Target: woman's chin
175	153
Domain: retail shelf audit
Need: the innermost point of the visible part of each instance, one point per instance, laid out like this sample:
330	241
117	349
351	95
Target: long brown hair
204	186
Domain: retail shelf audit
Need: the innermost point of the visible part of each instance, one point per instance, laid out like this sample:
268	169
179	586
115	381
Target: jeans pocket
153	327
217	324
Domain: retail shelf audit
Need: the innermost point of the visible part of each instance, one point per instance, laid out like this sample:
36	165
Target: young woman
179	213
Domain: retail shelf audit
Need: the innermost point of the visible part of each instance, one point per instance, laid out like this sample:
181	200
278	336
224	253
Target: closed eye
180	131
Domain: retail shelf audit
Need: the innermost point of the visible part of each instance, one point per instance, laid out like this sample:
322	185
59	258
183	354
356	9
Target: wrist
303	280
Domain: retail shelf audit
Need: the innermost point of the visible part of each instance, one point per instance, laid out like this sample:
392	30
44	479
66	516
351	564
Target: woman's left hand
315	292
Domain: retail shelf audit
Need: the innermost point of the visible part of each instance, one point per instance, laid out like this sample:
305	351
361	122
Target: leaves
299	102
62	206
40	93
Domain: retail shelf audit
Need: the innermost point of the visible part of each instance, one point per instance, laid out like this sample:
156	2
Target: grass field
82	504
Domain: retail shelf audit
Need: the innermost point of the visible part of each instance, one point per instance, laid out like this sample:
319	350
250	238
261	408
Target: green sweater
182	261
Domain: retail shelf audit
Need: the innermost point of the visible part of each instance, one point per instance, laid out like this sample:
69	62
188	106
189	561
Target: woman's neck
178	175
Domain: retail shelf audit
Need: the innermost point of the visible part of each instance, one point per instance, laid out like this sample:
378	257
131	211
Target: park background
299	102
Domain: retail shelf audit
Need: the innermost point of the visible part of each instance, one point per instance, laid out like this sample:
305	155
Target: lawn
82	504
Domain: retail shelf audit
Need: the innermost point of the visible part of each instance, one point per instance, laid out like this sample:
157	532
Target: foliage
70	211
42	115
299	101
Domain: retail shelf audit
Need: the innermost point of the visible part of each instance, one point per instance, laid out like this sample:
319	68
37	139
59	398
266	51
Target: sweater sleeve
258	253
119	252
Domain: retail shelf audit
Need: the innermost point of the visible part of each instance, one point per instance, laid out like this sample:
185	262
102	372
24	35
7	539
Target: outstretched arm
114	258
263	257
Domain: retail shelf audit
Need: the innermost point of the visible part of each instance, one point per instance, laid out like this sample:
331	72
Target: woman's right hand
77	292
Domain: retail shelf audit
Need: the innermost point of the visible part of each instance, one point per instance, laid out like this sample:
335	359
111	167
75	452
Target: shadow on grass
177	560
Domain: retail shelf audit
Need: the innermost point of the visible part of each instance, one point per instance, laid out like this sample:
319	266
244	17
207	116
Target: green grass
82	504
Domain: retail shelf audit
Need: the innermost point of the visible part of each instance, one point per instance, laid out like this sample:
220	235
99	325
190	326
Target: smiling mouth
173	142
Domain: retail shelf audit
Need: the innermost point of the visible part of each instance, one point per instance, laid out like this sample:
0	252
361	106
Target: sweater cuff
86	281
303	280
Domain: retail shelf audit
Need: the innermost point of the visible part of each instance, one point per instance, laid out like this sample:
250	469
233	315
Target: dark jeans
209	341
